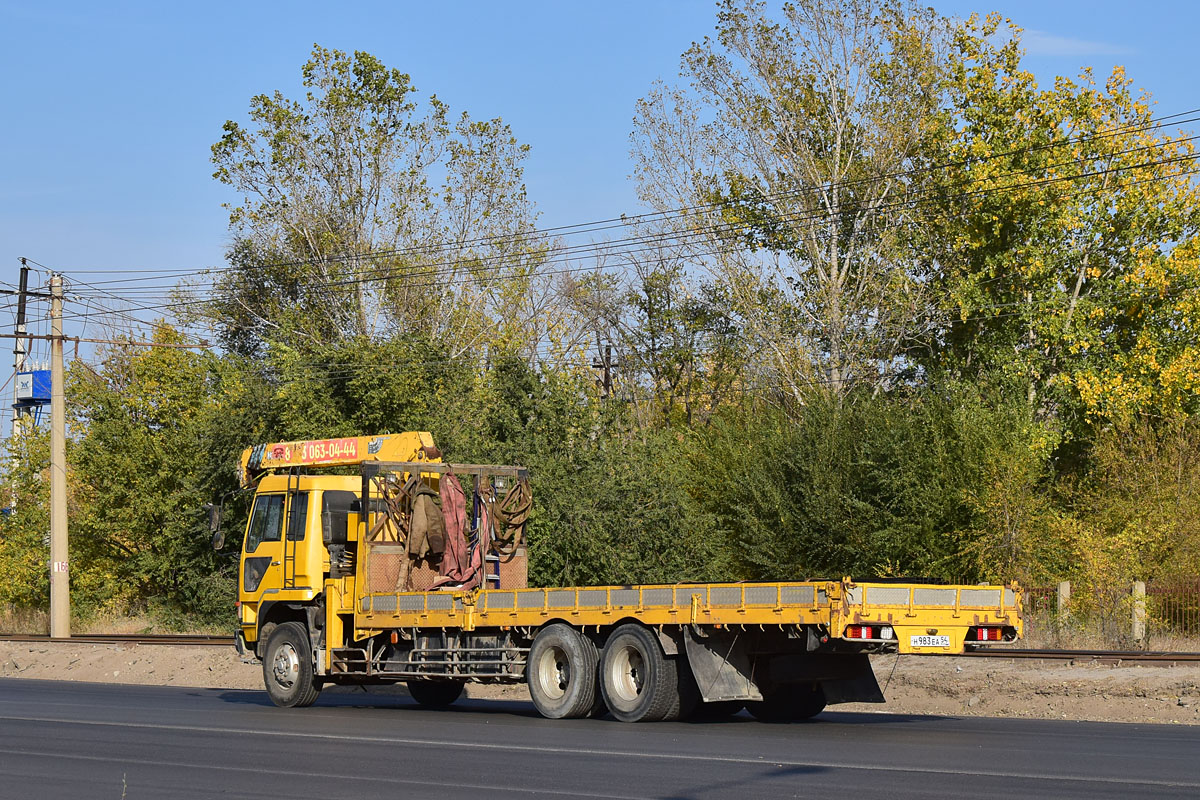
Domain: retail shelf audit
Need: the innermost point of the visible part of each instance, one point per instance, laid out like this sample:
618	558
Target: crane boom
346	451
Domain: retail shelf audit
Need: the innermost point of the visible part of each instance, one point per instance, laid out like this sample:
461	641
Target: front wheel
288	667
435	693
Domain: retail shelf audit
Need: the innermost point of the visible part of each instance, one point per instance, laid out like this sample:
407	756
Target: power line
653	241
648	242
627	221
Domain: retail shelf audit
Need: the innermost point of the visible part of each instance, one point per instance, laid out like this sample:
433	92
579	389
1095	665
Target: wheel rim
286	666
627	673
554	672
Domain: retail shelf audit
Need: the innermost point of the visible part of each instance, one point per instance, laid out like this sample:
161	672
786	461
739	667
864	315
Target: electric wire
654	241
626	221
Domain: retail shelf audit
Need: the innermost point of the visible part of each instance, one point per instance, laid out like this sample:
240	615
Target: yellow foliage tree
1066	235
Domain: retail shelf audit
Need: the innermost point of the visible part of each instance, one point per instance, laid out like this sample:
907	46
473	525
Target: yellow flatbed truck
332	594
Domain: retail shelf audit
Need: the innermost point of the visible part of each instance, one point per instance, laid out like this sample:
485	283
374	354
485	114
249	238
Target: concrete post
1064	597
60	582
1139	611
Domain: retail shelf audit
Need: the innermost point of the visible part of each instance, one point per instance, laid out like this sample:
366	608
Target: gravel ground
914	684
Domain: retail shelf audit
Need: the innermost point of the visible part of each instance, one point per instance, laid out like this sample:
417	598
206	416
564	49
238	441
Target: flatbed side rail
785	603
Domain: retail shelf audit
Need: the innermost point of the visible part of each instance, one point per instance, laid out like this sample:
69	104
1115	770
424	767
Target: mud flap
861	687
844	677
722	669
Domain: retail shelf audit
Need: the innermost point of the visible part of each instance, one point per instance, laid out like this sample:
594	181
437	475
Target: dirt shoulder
914	685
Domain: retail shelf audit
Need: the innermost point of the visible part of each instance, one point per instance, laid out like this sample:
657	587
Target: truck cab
296	537
302	527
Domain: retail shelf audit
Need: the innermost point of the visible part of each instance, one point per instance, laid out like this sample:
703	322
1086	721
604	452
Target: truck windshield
266	521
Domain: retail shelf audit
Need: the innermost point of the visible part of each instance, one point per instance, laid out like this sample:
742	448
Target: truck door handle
274	563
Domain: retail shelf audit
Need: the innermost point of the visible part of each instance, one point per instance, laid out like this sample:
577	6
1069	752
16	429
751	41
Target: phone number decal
329	450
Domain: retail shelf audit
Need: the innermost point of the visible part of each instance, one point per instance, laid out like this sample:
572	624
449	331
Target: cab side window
298	517
266	521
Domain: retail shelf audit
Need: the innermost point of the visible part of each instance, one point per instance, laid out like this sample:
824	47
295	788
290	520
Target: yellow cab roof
309	483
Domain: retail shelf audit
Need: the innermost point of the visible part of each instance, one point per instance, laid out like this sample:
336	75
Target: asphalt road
83	741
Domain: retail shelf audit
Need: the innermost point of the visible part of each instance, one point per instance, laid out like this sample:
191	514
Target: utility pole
606	365
18	424
60	581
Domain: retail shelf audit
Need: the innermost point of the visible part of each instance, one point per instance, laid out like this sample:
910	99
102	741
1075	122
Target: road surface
78	740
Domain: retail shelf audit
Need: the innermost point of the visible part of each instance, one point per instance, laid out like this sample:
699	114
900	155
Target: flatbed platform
833	605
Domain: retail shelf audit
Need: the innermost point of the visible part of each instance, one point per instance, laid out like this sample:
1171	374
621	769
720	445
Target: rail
1103	657
125	638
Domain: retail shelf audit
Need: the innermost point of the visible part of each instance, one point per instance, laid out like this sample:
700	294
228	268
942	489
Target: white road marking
523	790
583	751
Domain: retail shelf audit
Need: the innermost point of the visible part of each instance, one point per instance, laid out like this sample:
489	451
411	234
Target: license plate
929	641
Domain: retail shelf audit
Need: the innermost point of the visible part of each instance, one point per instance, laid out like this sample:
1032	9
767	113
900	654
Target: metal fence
1166	616
1040	601
1173	608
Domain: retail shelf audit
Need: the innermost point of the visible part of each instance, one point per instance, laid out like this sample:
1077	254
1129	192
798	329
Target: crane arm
347	451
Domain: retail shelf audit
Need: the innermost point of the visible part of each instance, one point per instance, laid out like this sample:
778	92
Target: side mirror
214	516
214	525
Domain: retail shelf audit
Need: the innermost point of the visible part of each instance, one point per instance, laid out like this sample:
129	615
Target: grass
1048	631
36	621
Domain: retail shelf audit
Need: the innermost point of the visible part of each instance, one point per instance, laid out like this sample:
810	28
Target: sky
110	108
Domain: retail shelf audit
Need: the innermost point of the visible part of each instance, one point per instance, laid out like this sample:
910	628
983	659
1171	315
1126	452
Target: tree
1066	237
156	431
676	349
25	526
677	344
792	149
925	484
363	214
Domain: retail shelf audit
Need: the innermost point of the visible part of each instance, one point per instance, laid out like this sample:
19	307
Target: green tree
791	147
617	510
25	527
157	430
364	214
677	354
914	486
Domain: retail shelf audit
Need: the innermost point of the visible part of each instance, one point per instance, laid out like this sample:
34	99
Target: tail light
989	634
869	632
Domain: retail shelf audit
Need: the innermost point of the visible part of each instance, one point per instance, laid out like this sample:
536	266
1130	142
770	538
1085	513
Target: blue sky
111	107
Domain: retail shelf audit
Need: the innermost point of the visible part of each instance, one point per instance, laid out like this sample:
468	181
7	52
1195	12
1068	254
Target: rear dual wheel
561	673
639	683
568	678
789	702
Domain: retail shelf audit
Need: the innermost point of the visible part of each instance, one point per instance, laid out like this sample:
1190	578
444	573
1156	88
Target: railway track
1105	657
127	638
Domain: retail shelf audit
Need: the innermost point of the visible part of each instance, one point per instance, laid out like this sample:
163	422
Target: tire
687	692
561	673
638	682
720	709
435	693
788	703
288	667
